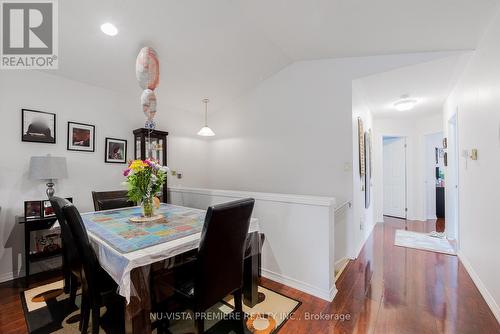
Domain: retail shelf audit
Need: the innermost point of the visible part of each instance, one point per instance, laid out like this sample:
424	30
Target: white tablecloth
119	265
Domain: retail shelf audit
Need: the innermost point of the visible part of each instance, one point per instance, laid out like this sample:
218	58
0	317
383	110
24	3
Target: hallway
390	289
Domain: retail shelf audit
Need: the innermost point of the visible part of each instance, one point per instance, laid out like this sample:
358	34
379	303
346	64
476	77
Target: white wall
293	132
415	130
187	153
114	115
477	98
362	222
298	250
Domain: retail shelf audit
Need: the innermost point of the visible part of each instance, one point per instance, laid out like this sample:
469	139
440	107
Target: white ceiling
222	48
429	83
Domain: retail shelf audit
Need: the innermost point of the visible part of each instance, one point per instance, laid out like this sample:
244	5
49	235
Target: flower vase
148	207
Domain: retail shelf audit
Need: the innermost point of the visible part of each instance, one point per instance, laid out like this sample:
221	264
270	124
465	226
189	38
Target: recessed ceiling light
405	104
109	29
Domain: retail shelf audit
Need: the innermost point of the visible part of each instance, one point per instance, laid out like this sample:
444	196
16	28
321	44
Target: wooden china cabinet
152	144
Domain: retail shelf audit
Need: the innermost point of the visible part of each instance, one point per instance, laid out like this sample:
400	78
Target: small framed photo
38	126
81	137
32	209
47	211
115	151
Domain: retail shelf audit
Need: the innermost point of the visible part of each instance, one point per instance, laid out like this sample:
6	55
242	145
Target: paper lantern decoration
148	101
147	68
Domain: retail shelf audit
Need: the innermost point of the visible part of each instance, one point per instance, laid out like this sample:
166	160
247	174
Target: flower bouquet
144	178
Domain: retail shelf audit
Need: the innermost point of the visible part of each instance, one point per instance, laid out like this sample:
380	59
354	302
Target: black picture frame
28	130
29	206
70	144
108	156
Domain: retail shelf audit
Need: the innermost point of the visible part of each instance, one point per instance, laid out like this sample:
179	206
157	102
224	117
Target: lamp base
50	189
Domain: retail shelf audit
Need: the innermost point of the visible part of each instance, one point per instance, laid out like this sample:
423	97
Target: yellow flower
137	165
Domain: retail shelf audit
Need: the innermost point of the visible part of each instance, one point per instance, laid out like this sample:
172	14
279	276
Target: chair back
71	256
87	255
107	200
220	254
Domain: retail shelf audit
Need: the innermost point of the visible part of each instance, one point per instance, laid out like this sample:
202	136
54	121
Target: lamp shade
206	132
48	168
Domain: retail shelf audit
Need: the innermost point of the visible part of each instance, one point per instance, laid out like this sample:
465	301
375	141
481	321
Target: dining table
127	251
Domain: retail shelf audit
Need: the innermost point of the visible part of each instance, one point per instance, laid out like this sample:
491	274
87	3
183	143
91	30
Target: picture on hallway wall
115	150
361	141
38	126
81	137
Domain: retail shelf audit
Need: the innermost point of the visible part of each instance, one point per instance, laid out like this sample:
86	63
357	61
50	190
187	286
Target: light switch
473	154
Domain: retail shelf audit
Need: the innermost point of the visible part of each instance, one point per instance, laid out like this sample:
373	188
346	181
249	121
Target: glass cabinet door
138	154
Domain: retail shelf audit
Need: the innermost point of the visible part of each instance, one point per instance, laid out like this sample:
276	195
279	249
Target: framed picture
361	142
47	211
115	151
32	209
81	137
38	126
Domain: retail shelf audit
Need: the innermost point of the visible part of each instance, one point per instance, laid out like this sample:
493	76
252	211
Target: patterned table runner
114	227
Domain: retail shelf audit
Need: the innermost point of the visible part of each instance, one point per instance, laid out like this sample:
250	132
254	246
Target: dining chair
72	265
99	289
218	269
107	200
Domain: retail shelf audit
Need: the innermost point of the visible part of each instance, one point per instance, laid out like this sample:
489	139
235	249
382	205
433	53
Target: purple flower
126	172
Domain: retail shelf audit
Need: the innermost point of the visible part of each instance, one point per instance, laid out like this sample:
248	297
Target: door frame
454	160
406	172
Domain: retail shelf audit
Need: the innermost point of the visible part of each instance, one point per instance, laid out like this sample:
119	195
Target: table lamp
48	168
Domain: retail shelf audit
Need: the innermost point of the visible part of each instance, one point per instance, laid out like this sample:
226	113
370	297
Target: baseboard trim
357	250
480	286
327	295
5	277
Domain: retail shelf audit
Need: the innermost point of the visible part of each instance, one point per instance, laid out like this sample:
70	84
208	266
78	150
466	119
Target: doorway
394	176
434	176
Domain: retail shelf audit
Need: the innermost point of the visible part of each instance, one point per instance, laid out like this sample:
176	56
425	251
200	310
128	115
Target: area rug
47	310
423	241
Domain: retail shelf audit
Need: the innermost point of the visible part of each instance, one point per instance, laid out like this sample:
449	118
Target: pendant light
206	131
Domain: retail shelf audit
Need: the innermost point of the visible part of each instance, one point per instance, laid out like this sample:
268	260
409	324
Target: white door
394	176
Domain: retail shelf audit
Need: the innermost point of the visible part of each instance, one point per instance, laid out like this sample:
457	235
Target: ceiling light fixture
405	104
109	29
206	131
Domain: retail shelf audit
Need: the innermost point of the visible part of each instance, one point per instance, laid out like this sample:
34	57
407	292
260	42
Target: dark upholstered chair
107	200
72	265
98	287
218	268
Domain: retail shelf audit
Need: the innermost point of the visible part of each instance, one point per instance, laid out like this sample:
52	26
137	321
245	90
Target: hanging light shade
206	131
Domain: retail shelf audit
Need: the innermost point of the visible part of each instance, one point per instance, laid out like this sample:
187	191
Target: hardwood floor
390	289
387	289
